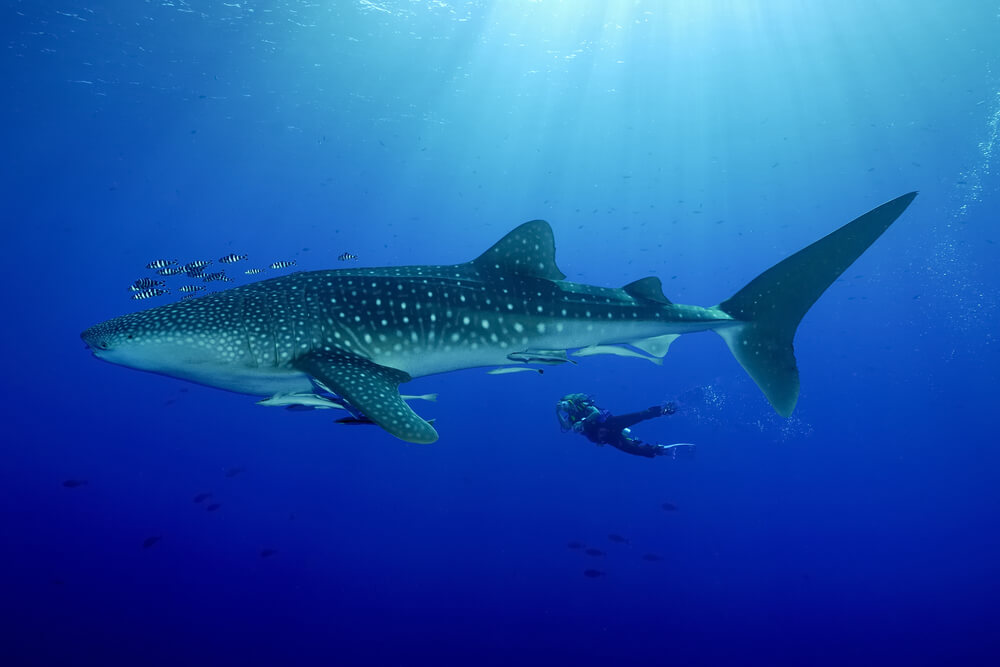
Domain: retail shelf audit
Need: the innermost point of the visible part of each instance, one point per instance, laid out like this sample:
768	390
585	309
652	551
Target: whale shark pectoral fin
372	389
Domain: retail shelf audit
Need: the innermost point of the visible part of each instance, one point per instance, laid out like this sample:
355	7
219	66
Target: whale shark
361	332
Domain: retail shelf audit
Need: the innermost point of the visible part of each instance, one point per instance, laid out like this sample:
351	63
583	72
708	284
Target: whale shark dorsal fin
371	388
649	289
528	250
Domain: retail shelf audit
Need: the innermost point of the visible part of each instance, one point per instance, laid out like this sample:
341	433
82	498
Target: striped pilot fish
145	283
230	258
160	263
253	272
344	256
282	265
149	293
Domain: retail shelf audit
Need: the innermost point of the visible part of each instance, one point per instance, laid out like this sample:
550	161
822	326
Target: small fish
309	401
197	264
344	256
235	470
593	552
282	265
160	263
267	553
618	538
150	541
593	574
202	497
213	507
253	272
170	271
149	293
191	288
145	283
194	273
514	369
670	507
230	258
550	357
218	275
73	483
355	421
575	545
652	557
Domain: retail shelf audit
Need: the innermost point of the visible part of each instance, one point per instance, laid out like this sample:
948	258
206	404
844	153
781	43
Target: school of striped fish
148	288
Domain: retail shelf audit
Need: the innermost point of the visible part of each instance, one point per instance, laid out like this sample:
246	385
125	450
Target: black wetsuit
608	431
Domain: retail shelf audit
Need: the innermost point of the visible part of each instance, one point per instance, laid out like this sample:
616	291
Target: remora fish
363	332
322	403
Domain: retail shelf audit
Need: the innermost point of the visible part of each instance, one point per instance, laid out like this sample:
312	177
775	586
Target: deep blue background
700	141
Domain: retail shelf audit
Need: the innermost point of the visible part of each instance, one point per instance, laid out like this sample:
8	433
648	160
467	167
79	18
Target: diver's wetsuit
607	430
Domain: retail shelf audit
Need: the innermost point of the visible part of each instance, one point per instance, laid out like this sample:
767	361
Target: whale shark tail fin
769	308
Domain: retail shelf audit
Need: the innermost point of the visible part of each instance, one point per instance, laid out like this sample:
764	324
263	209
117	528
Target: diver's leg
617	423
634	446
680	450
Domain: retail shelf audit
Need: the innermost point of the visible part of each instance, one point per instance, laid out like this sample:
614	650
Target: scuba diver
579	413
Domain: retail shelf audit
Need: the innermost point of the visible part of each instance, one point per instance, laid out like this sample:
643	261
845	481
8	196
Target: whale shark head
173	339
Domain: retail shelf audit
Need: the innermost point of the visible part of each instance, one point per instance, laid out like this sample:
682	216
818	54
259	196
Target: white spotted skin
419	319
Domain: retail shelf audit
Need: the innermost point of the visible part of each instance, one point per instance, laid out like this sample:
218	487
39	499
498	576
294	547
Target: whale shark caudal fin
771	306
372	389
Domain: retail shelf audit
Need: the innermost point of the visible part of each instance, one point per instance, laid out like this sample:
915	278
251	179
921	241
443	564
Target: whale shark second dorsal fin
528	250
649	289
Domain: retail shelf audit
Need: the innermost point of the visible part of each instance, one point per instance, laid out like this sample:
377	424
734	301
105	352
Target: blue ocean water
700	141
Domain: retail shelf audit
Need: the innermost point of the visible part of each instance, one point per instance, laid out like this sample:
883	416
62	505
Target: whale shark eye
103	345
130	336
